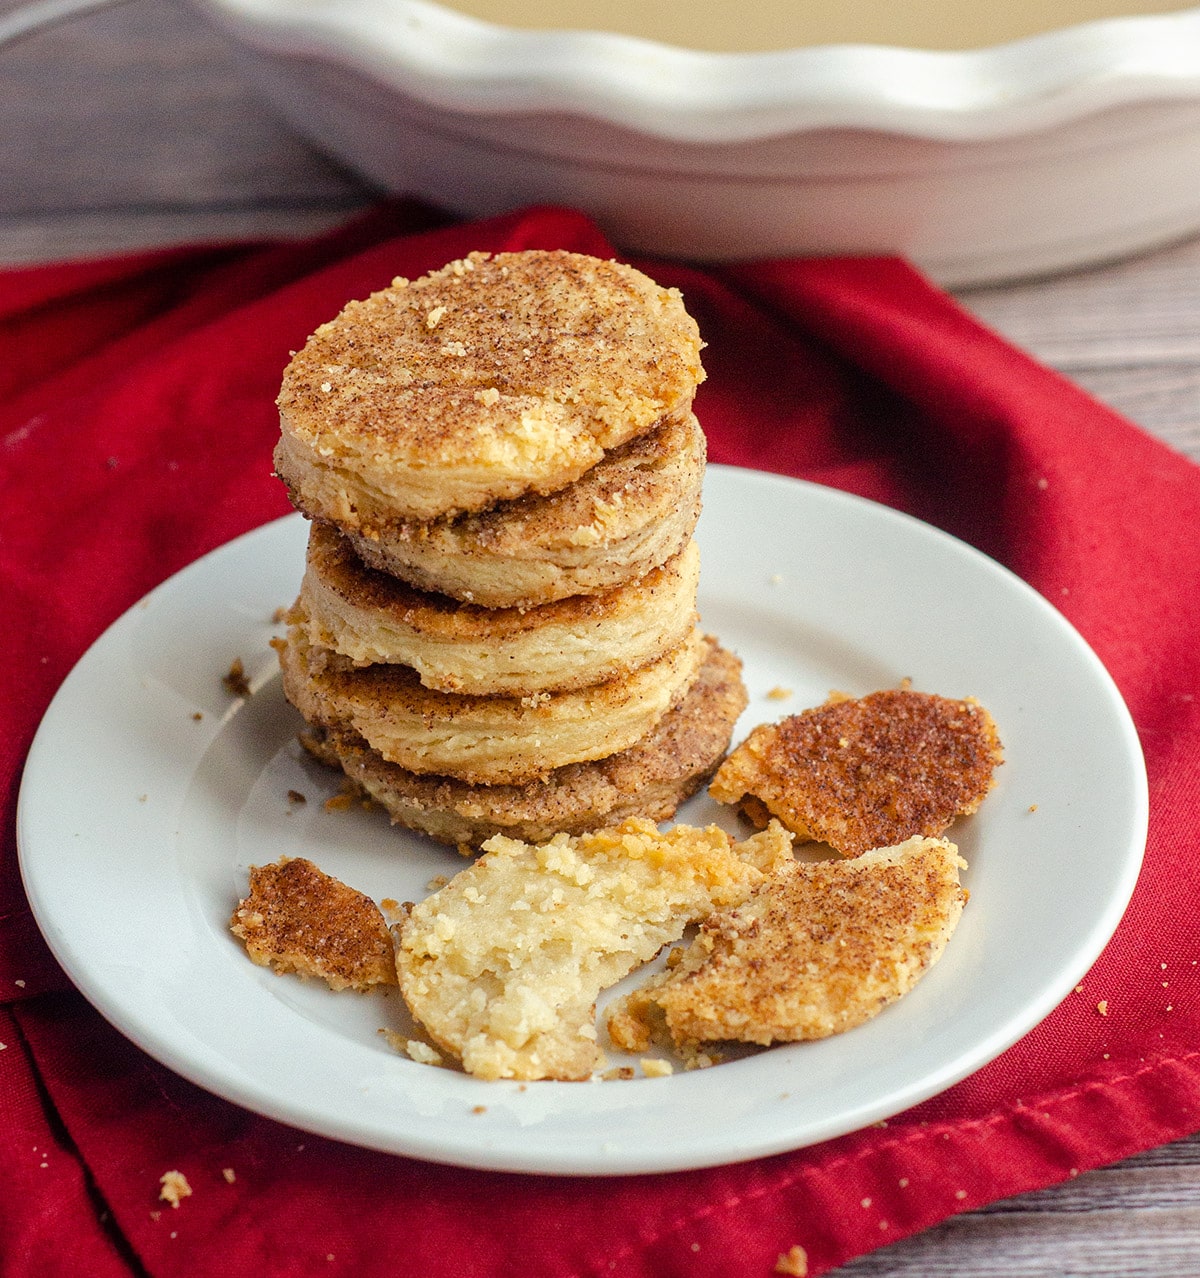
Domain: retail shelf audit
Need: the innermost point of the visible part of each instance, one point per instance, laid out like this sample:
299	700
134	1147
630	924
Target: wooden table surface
133	126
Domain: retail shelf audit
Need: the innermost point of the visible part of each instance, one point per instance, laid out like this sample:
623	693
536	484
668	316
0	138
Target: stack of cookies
497	630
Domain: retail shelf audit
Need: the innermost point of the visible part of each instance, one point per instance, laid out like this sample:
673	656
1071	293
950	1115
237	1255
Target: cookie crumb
779	694
294	796
793	1262
235	681
653	1068
229	1175
1102	1007
422	1053
413	1048
174	1188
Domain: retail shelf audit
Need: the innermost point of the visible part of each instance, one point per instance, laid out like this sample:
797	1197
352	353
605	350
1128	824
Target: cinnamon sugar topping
299	919
868	772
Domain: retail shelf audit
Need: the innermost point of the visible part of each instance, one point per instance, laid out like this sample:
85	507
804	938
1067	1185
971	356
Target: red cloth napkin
137	433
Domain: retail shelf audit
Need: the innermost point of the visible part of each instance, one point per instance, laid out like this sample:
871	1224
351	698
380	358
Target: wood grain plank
135	126
1128	333
63	236
1142	311
1165	400
1108	1244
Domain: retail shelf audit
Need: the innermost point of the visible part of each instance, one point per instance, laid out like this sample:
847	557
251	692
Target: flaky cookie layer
483	740
369	617
650	779
635	509
487	379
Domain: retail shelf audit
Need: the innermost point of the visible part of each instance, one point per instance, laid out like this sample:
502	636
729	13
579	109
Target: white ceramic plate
138	820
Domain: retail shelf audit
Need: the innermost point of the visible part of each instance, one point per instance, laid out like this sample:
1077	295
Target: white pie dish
1022	158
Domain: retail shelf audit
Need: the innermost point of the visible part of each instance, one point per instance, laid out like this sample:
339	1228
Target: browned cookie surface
650	779
867	772
298	919
633	510
369	618
486	379
816	950
484	740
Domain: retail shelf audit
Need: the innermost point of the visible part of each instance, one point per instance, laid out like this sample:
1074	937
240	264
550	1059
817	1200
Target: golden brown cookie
369	618
817	949
483	740
634	510
650	779
487	379
299	919
868	772
503	965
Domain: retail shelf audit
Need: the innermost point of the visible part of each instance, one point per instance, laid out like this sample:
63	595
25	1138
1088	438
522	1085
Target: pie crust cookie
650	779
489	378
370	618
483	740
866	772
635	509
816	950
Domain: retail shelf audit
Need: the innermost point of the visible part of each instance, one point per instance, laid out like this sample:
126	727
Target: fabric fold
137	435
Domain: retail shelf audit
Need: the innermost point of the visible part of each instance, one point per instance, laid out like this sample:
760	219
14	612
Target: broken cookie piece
299	919
817	949
503	965
868	772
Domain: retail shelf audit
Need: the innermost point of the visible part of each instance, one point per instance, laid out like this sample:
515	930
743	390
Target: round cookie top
489	378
